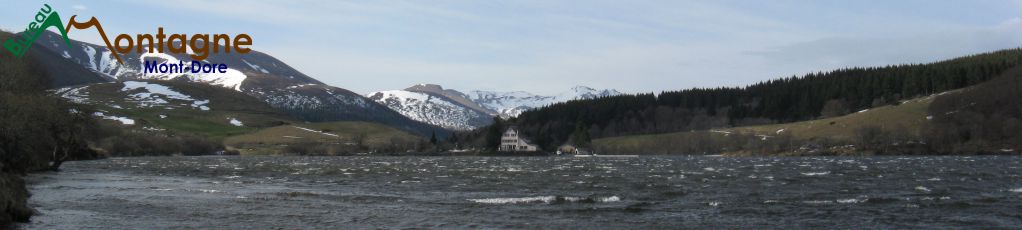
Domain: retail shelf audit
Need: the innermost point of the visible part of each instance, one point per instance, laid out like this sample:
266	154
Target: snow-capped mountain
256	74
433	107
242	68
511	104
452	109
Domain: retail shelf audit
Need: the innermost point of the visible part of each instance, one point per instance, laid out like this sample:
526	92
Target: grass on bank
275	140
908	117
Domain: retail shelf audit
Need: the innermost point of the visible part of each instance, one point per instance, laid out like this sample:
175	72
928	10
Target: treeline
37	132
789	99
700	142
866	140
359	144
485	139
119	142
394	146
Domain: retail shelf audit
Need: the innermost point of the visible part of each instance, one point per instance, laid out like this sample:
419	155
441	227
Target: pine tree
580	138
432	138
493	134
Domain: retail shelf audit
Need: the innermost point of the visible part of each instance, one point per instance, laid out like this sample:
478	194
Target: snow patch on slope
236	122
146	94
108	65
74	94
153	89
231	79
201	105
123	120
92	57
255	67
314	131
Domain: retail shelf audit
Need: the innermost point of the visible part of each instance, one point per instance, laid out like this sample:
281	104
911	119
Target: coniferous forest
795	98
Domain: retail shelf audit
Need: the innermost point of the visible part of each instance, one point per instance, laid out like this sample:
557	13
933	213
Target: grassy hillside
907	118
187	116
239	121
220	115
344	137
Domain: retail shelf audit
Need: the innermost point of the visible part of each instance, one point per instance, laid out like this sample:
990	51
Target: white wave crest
545	199
815	173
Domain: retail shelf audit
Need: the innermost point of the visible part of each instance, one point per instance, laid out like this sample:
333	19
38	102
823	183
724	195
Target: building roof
521	137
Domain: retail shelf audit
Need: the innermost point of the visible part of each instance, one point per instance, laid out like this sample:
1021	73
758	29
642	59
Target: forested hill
782	100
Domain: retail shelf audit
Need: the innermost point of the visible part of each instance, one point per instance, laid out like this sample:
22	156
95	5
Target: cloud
668	47
647	67
639	46
79	7
304	13
854	51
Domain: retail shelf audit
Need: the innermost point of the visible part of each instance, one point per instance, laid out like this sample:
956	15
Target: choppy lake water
530	192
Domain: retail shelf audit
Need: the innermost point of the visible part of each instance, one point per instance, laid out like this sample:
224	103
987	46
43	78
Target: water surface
530	192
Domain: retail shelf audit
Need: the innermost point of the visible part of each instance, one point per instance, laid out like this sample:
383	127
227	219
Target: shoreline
14	197
580	156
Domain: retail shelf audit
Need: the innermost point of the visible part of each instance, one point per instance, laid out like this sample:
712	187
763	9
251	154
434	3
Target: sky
549	46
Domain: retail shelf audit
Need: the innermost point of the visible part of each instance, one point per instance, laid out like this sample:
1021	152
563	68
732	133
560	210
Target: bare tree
834	108
360	139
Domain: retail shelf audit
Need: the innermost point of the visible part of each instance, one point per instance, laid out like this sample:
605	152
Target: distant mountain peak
511	104
432	104
425	87
582	87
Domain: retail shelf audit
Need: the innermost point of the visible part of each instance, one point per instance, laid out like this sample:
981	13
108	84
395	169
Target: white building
512	142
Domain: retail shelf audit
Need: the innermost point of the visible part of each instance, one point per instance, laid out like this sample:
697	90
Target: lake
531	192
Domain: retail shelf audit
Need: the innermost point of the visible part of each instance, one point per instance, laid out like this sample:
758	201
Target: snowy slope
431	109
454	110
137	94
511	104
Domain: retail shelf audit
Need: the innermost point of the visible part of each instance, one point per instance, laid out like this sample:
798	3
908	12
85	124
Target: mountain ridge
256	74
452	109
510	104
